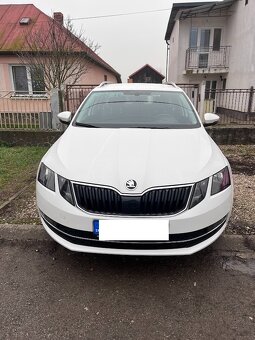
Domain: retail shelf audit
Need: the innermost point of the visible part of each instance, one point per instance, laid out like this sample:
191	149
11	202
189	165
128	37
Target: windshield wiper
86	125
149	127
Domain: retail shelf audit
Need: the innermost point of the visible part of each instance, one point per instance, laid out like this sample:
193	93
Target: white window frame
211	34
29	82
211	29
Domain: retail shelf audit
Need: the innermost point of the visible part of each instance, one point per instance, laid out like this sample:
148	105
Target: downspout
167	58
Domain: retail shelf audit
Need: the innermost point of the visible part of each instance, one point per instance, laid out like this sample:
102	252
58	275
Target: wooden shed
146	74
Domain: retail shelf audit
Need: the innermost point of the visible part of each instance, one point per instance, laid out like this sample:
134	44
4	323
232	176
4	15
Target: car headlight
199	192
220	181
46	177
65	189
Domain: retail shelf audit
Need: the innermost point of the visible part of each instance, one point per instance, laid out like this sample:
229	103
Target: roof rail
171	83
104	83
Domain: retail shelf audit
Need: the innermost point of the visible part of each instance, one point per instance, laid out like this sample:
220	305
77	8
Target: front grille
155	202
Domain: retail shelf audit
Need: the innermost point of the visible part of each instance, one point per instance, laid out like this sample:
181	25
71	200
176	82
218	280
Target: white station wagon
135	173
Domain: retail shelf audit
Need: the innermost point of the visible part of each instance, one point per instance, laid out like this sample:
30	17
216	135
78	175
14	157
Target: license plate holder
132	229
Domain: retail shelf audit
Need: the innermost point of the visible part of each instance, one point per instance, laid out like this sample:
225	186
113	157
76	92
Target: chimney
58	16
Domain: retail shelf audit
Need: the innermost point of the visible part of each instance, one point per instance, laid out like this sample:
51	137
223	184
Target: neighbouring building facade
18	20
146	74
24	101
212	43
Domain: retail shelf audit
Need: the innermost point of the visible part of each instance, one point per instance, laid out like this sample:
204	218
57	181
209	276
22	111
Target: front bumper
178	244
189	231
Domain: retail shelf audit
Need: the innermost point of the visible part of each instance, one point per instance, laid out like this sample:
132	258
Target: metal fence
75	94
234	106
23	111
207	57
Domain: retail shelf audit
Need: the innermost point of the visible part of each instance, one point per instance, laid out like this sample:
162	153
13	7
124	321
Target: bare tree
56	55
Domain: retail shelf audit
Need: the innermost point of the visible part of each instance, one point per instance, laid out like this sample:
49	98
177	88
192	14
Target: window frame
211	38
210	89
30	92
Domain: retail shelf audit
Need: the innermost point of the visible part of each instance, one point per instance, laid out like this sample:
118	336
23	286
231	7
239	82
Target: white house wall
178	60
238	31
174	54
241	36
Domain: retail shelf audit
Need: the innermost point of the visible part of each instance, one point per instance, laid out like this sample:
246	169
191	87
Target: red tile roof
12	32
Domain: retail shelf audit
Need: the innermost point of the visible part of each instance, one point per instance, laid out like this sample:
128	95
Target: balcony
207	60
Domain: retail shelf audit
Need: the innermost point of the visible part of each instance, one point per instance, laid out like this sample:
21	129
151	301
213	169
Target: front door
210	95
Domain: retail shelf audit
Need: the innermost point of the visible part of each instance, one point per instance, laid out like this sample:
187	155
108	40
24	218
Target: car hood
151	157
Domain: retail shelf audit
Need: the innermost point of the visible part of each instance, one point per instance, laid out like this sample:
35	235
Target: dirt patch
241	158
22	210
242	220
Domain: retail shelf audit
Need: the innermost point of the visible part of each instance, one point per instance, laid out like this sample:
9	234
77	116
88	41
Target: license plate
132	229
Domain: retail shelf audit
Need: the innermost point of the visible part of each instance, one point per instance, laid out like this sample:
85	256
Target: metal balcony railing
207	57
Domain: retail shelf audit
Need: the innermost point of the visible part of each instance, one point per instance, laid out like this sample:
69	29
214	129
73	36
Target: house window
203	60
105	77
193	38
216	39
205	39
27	81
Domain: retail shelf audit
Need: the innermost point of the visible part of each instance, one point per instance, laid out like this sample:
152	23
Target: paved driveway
47	292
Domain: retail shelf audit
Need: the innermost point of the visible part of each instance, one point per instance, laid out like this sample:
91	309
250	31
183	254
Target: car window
137	109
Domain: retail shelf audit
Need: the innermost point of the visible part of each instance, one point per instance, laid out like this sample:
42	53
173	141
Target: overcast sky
127	42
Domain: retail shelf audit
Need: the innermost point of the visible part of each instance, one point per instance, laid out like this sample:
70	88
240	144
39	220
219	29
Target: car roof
137	87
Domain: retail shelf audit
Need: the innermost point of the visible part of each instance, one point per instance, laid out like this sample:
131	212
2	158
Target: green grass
18	165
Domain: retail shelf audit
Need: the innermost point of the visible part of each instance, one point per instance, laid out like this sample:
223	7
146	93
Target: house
16	21
146	74
210	47
24	101
212	42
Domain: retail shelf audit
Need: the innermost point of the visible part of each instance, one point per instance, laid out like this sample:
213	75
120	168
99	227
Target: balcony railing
207	58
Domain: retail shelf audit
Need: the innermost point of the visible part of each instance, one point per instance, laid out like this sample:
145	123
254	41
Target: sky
127	42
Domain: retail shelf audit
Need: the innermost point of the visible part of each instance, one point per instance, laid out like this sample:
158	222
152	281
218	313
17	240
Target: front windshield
137	109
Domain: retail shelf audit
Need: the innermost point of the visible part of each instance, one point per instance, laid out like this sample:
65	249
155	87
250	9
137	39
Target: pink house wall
12	104
95	74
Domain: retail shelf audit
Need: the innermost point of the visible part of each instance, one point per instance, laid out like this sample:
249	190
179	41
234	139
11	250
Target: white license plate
134	230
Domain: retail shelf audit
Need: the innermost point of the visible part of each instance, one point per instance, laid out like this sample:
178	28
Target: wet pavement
48	292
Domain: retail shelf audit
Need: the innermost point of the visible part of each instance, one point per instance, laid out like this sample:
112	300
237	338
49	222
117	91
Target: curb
226	244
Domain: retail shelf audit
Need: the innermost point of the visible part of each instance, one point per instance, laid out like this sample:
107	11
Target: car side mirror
210	119
65	117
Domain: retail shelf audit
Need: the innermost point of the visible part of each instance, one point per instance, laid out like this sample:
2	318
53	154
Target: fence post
67	97
202	100
250	99
54	103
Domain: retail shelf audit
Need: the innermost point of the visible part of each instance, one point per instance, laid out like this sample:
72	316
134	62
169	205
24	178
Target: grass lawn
17	168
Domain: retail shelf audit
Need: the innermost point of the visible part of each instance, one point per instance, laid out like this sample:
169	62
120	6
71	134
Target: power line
105	16
121	14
